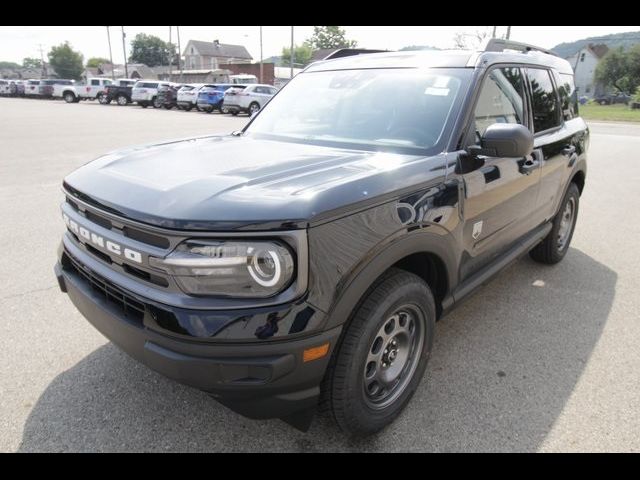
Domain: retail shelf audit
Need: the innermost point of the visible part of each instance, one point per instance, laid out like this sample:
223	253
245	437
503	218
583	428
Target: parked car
211	96
93	89
5	87
188	96
249	99
243	79
31	88
53	87
145	93
168	95
120	91
16	88
307	257
612	98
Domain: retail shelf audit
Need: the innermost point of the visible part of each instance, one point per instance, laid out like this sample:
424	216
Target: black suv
305	259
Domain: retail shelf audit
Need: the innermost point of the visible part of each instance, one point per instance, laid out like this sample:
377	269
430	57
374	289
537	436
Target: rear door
499	193
556	139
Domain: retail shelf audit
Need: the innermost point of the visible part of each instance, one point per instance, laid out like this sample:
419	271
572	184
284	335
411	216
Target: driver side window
501	100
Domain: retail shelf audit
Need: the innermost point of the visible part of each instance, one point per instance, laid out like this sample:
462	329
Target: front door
499	193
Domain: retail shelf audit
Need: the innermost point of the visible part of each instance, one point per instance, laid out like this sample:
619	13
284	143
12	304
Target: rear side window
501	99
568	95
546	112
95	82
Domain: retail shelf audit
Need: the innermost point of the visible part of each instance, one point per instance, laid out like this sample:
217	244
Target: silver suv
249	99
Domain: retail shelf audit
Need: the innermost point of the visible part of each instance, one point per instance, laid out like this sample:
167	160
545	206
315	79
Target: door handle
569	150
529	166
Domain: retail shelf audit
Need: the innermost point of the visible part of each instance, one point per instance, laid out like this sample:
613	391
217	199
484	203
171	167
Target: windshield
374	107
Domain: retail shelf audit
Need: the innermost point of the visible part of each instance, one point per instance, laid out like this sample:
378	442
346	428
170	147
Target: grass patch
612	113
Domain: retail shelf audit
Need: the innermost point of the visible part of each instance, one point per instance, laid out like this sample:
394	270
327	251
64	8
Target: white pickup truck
94	89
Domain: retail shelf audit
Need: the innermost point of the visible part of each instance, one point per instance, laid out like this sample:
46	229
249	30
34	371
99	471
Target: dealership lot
540	359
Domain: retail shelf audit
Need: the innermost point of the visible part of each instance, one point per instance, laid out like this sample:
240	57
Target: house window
193	51
193	63
214	63
588	89
582	57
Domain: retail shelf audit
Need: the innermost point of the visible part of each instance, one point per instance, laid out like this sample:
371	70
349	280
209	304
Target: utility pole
43	69
261	68
170	54
179	54
493	35
508	32
293	54
124	51
113	73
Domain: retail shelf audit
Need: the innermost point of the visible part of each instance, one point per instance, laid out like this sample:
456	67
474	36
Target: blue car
210	96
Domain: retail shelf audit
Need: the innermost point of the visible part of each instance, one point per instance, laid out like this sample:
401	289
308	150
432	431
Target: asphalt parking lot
540	359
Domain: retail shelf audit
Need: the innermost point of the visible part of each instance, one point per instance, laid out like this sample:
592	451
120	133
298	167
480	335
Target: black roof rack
347	52
500	45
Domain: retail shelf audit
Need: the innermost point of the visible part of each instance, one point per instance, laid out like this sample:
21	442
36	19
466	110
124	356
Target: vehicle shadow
503	367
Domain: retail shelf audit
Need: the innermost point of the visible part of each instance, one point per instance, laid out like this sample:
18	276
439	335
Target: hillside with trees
613	41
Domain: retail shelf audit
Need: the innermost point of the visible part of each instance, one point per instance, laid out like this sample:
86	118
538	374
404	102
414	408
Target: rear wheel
188	108
253	108
234	113
155	101
102	98
143	104
69	97
555	245
383	355
122	100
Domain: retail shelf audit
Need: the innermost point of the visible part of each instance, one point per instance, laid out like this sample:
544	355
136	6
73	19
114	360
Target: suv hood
222	183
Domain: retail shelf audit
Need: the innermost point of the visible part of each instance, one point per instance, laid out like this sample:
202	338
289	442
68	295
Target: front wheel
253	108
143	104
69	97
188	108
155	101
383	355
122	100
556	244
102	98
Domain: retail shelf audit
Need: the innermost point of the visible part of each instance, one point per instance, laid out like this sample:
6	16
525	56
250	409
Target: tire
353	386
556	244
102	99
155	103
209	110
188	109
168	106
143	104
69	97
253	108
234	113
603	102
122	100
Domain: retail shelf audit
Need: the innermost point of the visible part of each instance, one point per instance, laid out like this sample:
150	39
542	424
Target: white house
584	65
199	55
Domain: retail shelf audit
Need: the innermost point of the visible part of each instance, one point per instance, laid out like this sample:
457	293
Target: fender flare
379	259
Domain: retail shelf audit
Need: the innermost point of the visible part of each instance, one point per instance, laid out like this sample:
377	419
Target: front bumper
259	380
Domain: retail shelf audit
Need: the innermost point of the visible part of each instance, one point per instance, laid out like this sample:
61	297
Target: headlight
229	268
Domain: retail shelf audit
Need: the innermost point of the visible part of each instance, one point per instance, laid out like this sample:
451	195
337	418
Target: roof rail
347	52
500	45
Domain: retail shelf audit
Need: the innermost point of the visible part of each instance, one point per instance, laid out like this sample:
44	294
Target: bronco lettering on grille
93	238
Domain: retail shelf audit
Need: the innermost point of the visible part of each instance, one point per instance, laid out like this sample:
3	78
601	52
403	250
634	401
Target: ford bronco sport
304	260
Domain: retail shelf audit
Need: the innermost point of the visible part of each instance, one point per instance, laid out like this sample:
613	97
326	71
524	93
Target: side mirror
505	140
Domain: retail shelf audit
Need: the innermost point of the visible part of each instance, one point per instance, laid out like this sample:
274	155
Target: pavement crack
35	290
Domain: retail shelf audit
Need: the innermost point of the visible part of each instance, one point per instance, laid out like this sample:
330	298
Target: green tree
95	62
302	55
31	62
620	69
151	50
9	65
66	61
329	37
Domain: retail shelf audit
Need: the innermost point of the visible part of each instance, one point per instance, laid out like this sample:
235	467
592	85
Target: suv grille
129	306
